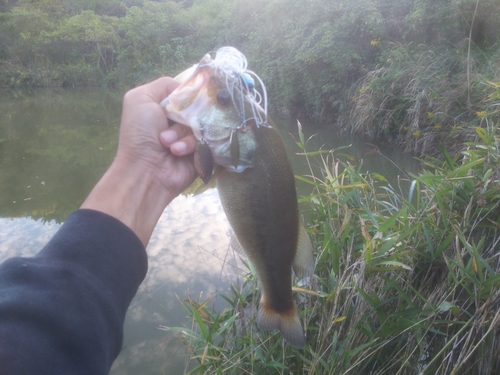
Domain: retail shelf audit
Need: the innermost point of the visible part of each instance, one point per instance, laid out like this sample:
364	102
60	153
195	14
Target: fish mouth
191	93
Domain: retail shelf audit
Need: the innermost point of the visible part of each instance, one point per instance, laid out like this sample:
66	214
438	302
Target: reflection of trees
54	146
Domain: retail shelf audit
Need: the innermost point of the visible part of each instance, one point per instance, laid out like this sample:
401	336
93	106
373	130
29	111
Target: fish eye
223	98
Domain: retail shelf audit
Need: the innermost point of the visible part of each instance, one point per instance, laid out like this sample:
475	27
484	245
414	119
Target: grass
407	277
422	96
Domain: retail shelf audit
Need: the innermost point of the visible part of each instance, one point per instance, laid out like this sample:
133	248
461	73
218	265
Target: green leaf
483	134
275	364
227	324
315	153
447	157
445	306
201	323
301	133
389	222
379	177
462	171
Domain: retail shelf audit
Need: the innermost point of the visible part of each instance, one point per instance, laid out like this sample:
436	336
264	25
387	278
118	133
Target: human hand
145	135
153	164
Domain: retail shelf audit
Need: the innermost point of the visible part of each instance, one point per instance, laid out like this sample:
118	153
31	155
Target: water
54	147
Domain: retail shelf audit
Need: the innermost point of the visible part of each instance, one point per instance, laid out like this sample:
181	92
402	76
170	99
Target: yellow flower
431	114
406	128
481	114
438	126
416	133
375	42
363	89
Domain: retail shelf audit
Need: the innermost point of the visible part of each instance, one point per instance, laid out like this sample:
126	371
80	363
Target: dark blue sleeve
62	311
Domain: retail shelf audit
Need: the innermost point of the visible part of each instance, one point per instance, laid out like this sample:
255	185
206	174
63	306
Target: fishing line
231	65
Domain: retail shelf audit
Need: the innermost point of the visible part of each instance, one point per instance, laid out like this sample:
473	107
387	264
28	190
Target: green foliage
86	35
22	27
406	278
80	46
150	45
412	72
310	50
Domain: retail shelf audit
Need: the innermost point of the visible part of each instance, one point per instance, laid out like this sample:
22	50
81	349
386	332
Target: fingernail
179	148
169	136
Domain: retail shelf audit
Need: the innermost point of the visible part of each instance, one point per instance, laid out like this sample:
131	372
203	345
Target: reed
422	96
407	275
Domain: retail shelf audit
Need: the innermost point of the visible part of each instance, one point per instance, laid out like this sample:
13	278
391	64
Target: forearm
63	310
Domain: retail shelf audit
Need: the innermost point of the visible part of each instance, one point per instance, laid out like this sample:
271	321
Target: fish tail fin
303	263
287	322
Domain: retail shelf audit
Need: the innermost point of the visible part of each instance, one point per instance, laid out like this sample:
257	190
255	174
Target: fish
241	147
219	91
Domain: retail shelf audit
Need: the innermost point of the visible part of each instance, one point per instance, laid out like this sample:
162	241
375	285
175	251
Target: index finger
156	90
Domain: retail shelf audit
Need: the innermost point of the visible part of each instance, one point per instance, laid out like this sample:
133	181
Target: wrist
131	192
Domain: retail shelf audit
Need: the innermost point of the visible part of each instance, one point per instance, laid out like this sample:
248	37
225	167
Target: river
55	145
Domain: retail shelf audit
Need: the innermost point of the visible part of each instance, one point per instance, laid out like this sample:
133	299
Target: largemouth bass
219	101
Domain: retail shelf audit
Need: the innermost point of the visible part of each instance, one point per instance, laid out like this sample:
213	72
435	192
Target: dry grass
422	96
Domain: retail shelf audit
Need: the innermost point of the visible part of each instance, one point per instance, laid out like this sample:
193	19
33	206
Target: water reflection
54	147
188	254
24	236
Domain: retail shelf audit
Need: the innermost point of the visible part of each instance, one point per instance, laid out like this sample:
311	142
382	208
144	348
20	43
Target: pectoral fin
303	263
199	187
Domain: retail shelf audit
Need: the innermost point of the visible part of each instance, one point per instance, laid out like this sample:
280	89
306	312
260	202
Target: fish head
217	100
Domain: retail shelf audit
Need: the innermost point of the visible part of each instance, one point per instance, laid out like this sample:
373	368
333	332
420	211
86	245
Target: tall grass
407	277
422	96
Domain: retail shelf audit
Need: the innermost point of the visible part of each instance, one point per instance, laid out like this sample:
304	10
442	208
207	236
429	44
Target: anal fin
303	263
